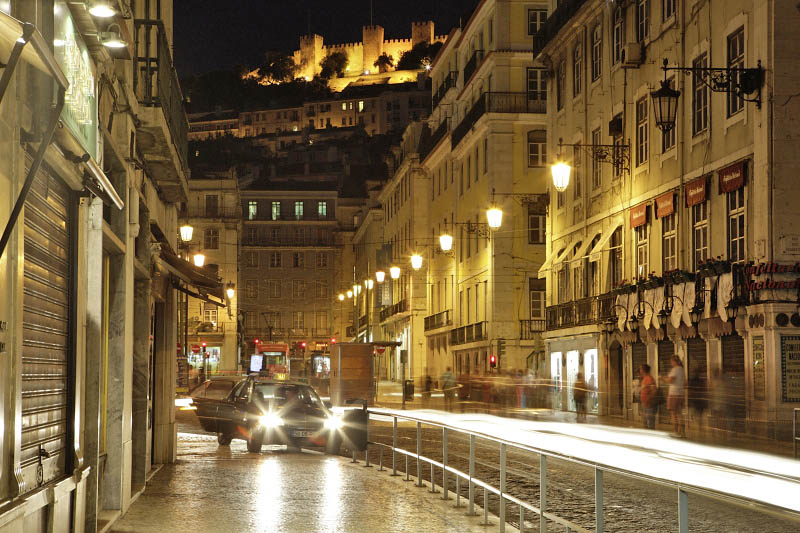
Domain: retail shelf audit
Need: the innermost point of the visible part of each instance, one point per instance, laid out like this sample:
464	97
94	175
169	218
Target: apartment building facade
673	242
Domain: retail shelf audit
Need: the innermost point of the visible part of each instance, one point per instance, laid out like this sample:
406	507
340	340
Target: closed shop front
638	358
734	376
47	340
666	349
697	373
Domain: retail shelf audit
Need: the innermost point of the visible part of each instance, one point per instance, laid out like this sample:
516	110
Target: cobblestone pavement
631	505
226	489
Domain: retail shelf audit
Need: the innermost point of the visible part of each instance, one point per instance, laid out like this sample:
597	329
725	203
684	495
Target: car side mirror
327	404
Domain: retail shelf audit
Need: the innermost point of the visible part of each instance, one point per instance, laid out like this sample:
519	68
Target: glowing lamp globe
380	275
494	217
186	232
561	173
394	272
416	261
199	260
446	242
341	296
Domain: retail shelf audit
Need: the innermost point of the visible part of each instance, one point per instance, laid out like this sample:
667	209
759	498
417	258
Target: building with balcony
674	241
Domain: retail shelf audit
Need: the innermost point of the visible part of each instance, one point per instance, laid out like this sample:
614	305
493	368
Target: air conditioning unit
632	55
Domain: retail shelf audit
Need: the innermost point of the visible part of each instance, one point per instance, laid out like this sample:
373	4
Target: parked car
265	411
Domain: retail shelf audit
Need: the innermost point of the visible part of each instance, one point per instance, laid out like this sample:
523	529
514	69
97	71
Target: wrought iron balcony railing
399	307
472	64
470	333
586	311
438	320
496	102
529	328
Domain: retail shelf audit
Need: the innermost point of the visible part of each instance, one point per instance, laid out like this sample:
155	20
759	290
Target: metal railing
795	437
288	241
557	19
472	64
496	102
448	83
155	81
586	311
470	333
438	320
529	328
427	147
208	328
399	307
503	492
203	212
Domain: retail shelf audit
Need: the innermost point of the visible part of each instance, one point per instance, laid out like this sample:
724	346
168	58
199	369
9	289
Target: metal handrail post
471	488
794	430
502	487
444	463
485	507
542	492
683	511
419	454
598	500
394	446
366	457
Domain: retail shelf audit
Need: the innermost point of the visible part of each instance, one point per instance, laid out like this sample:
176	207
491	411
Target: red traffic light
303	344
203	344
256	341
333	340
492	360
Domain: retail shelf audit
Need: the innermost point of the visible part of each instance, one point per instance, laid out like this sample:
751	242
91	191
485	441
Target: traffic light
303	345
333	340
493	361
501	347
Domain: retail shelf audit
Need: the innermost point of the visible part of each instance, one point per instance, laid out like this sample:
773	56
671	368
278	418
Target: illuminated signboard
80	106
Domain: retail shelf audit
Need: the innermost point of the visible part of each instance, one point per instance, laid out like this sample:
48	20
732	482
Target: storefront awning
549	262
203	280
580	253
564	254
594	255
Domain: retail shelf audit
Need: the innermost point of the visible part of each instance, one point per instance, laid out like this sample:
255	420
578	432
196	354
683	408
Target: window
537	85
298	210
274	288
668	8
735	201
276	210
298	319
642	20
477	163
272	318
322	260
252	259
560	199
251	320
360	106
578	278
593	274
617	35
322	209
669	243
212	205
537	148
211	239
577	164
536	293
252	236
563	283
344	106
536	19
275	235
298	259
641	234
251	288
597	176
485	155
210	314
536	226
561	81
322	320
700	233
275	259
252	210
298	288
597	51
699	96
735	60
321	288
577	69
668	137
615	257
642	142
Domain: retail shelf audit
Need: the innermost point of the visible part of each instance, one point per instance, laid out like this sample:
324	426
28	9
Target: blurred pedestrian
675	396
448	382
698	397
648	396
720	401
579	391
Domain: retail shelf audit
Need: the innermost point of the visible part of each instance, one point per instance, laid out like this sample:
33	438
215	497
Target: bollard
521	519
458	491
471	487
354	457
598	501
683	511
407	479
366	457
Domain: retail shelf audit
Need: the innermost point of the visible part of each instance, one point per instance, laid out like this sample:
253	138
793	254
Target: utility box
351	373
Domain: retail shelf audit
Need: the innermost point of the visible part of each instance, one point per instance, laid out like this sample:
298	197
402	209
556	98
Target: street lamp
446	242
380	275
186	232
230	290
394	272
112	39
369	284
101	9
665	105
349	294
560	171
199	259
341	296
494	217
416	261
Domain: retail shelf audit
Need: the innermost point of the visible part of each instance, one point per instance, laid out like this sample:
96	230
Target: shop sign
790	367
731	178
696	192
638	215
665	204
759	373
765	269
80	101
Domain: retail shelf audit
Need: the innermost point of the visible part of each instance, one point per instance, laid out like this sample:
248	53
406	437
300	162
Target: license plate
302	433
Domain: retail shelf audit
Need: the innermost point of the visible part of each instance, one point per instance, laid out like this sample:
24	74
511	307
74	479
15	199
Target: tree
417	57
334	64
384	63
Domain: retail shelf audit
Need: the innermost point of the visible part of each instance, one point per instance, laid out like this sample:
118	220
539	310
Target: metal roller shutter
638	357
734	373
46	339
697	373
666	349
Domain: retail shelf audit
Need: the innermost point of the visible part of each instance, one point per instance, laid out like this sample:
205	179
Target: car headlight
270	420
333	422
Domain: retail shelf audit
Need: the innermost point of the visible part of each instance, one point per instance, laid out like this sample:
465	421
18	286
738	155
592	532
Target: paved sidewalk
216	488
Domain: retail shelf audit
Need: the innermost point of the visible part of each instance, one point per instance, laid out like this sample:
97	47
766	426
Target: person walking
579	392
648	395
675	396
448	382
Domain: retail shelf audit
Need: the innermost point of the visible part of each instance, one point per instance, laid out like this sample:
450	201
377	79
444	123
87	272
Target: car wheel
334	444
224	439
254	442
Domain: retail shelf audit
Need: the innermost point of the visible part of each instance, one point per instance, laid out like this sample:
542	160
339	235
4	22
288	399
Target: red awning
638	215
696	192
665	204
731	177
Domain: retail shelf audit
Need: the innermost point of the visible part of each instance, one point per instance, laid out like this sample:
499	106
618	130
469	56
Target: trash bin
408	390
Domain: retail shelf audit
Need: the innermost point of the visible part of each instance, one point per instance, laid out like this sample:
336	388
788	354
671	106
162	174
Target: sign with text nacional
790	367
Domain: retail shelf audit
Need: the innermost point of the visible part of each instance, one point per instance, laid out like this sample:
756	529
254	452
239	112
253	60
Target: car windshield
281	394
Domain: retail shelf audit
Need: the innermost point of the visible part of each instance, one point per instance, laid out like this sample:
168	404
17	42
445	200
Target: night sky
220	34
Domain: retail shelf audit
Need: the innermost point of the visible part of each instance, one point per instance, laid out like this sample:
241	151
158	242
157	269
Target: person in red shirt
648	396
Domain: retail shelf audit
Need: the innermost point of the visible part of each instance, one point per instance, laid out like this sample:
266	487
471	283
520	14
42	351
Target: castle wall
373	46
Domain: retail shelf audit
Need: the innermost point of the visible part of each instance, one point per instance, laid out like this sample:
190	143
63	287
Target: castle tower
422	32
310	55
373	46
